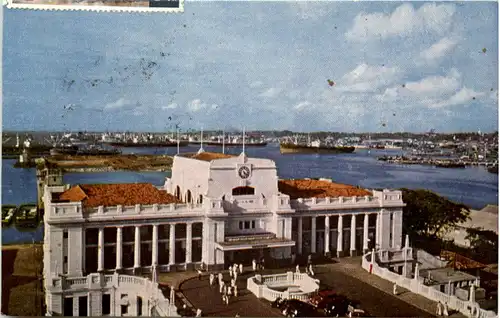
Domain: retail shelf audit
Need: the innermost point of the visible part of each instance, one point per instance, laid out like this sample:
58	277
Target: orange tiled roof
459	261
93	195
319	189
209	156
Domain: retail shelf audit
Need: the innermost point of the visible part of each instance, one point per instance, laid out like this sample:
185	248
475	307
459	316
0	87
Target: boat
314	147
493	169
94	150
8	214
230	144
145	144
450	165
27	216
64	150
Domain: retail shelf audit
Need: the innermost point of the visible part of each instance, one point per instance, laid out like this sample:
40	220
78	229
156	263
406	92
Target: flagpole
243	139
223	140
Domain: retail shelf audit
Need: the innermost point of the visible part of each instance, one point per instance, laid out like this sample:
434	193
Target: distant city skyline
299	66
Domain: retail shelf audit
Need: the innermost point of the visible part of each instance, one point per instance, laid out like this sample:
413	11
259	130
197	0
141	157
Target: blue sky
397	66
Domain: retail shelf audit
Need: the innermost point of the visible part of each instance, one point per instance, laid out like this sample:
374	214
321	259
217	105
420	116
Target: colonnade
137	246
340	233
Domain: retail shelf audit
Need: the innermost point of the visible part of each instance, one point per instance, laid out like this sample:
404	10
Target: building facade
214	209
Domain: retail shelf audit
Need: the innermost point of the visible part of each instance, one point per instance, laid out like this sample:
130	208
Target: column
100	250
340	236
327	235
189	242
313	234
299	238
119	248
365	233
155	245
137	247
171	241
377	231
353	234
385	229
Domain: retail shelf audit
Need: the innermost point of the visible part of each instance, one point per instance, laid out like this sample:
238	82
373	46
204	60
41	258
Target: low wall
260	286
470	309
115	285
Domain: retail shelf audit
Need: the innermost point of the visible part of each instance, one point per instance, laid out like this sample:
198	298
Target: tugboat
27	216
313	147
8	214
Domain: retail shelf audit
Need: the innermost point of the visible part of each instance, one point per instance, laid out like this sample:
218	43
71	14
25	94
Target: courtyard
332	276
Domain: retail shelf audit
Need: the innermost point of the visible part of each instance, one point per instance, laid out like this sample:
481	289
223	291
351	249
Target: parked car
297	308
354	310
279	303
337	306
321	298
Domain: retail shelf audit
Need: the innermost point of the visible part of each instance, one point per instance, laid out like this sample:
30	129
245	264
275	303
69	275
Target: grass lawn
22	292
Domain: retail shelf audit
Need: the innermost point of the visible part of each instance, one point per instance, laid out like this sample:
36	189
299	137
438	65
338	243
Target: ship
230	144
493	169
450	165
147	143
313	147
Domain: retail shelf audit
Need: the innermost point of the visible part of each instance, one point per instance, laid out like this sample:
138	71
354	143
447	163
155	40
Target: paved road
377	303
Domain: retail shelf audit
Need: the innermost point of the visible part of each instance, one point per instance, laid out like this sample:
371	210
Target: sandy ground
478	219
22	267
120	162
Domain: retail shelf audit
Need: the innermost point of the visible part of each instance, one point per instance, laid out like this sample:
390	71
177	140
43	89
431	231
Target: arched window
243	191
200	199
178	192
189	198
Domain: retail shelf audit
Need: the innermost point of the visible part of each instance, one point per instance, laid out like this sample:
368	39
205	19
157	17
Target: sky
393	66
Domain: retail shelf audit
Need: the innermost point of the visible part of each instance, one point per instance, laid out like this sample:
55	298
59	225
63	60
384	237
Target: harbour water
473	186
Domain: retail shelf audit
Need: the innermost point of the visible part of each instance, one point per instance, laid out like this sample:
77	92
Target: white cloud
256	84
120	103
366	78
302	105
196	105
271	92
170	106
404	21
461	97
438	50
434	85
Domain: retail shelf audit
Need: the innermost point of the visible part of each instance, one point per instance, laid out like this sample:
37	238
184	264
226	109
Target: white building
214	209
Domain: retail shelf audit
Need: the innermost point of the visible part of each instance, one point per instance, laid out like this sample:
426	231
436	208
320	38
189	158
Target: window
124	309
106	304
65	234
247	225
241	225
243	191
253	224
139	306
65	259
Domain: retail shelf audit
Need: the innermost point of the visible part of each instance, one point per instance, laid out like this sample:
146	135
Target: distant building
216	209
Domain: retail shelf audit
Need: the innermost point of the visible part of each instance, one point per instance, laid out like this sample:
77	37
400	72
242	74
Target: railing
260	286
467	308
336	202
142	286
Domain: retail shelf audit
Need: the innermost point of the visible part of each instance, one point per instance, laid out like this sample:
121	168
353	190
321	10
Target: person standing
445	309
199	274
220	277
394	289
233	282
297	269
198	312
235	274
241	269
211	278
235	291
311	269
254	265
438	309
262	263
230	271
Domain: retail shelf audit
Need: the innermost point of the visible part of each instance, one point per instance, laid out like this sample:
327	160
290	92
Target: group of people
309	269
259	266
442	309
227	290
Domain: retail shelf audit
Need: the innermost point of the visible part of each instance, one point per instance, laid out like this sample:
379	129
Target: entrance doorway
245	257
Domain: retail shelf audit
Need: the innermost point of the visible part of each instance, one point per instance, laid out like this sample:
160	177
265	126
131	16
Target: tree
483	242
429	214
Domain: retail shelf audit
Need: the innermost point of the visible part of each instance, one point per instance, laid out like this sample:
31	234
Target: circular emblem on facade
244	172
